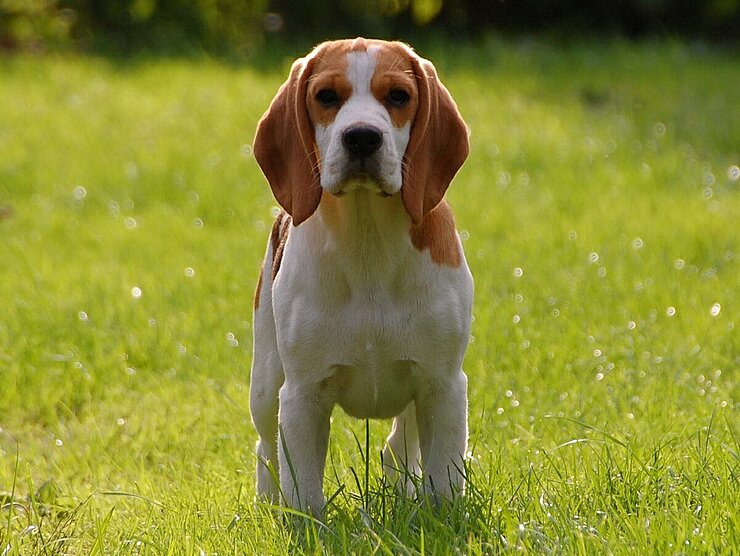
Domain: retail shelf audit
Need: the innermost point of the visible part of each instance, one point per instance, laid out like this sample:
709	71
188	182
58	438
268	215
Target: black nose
362	141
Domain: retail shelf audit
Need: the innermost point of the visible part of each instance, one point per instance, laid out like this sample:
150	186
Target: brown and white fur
364	299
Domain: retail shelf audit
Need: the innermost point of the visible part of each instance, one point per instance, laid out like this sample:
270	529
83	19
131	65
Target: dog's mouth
364	180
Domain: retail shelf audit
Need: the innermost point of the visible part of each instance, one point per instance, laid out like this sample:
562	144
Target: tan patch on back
437	233
258	289
278	238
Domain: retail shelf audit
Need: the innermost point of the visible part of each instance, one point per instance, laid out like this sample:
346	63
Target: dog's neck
364	222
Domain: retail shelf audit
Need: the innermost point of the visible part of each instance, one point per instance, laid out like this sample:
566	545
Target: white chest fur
366	320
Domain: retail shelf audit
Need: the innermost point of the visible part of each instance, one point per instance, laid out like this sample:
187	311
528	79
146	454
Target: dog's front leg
442	417
302	443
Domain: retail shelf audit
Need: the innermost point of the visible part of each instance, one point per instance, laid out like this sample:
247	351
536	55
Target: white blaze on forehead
360	69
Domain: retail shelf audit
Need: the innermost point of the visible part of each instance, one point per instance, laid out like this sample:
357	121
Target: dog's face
361	104
361	113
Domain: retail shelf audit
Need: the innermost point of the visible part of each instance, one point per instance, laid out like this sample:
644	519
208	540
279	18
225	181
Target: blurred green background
598	209
247	26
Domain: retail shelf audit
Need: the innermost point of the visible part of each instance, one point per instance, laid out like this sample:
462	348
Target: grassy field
600	212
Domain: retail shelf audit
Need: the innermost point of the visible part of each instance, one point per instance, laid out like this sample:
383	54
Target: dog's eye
398	97
327	97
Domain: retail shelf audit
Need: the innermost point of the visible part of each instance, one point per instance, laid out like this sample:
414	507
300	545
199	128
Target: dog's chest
360	335
373	361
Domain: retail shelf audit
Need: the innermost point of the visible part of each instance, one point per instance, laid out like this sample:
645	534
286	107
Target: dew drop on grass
58	442
197	223
715	310
671	311
516	319
637	243
231	339
120	421
82	315
518	272
79	193
464	235
593	257
130	223
679	264
189	272
136	292
631	325
246	150
733	173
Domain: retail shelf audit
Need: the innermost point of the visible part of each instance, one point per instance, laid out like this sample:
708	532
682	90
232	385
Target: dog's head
361	113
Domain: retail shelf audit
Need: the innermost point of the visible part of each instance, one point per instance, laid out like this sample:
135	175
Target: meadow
599	211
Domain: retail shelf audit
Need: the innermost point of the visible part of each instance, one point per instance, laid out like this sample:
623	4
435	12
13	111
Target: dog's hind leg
266	380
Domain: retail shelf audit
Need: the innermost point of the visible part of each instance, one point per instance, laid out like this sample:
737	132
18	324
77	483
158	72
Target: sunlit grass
599	211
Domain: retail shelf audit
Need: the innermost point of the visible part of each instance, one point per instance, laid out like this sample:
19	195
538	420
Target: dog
365	298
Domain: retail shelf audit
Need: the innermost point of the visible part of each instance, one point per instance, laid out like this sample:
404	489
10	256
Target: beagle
364	299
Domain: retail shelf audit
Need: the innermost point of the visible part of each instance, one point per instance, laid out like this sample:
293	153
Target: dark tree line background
233	25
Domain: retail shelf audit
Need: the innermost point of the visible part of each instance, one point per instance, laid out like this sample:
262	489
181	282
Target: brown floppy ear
284	146
438	145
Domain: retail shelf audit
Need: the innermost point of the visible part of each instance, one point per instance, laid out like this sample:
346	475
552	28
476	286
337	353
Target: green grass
600	211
